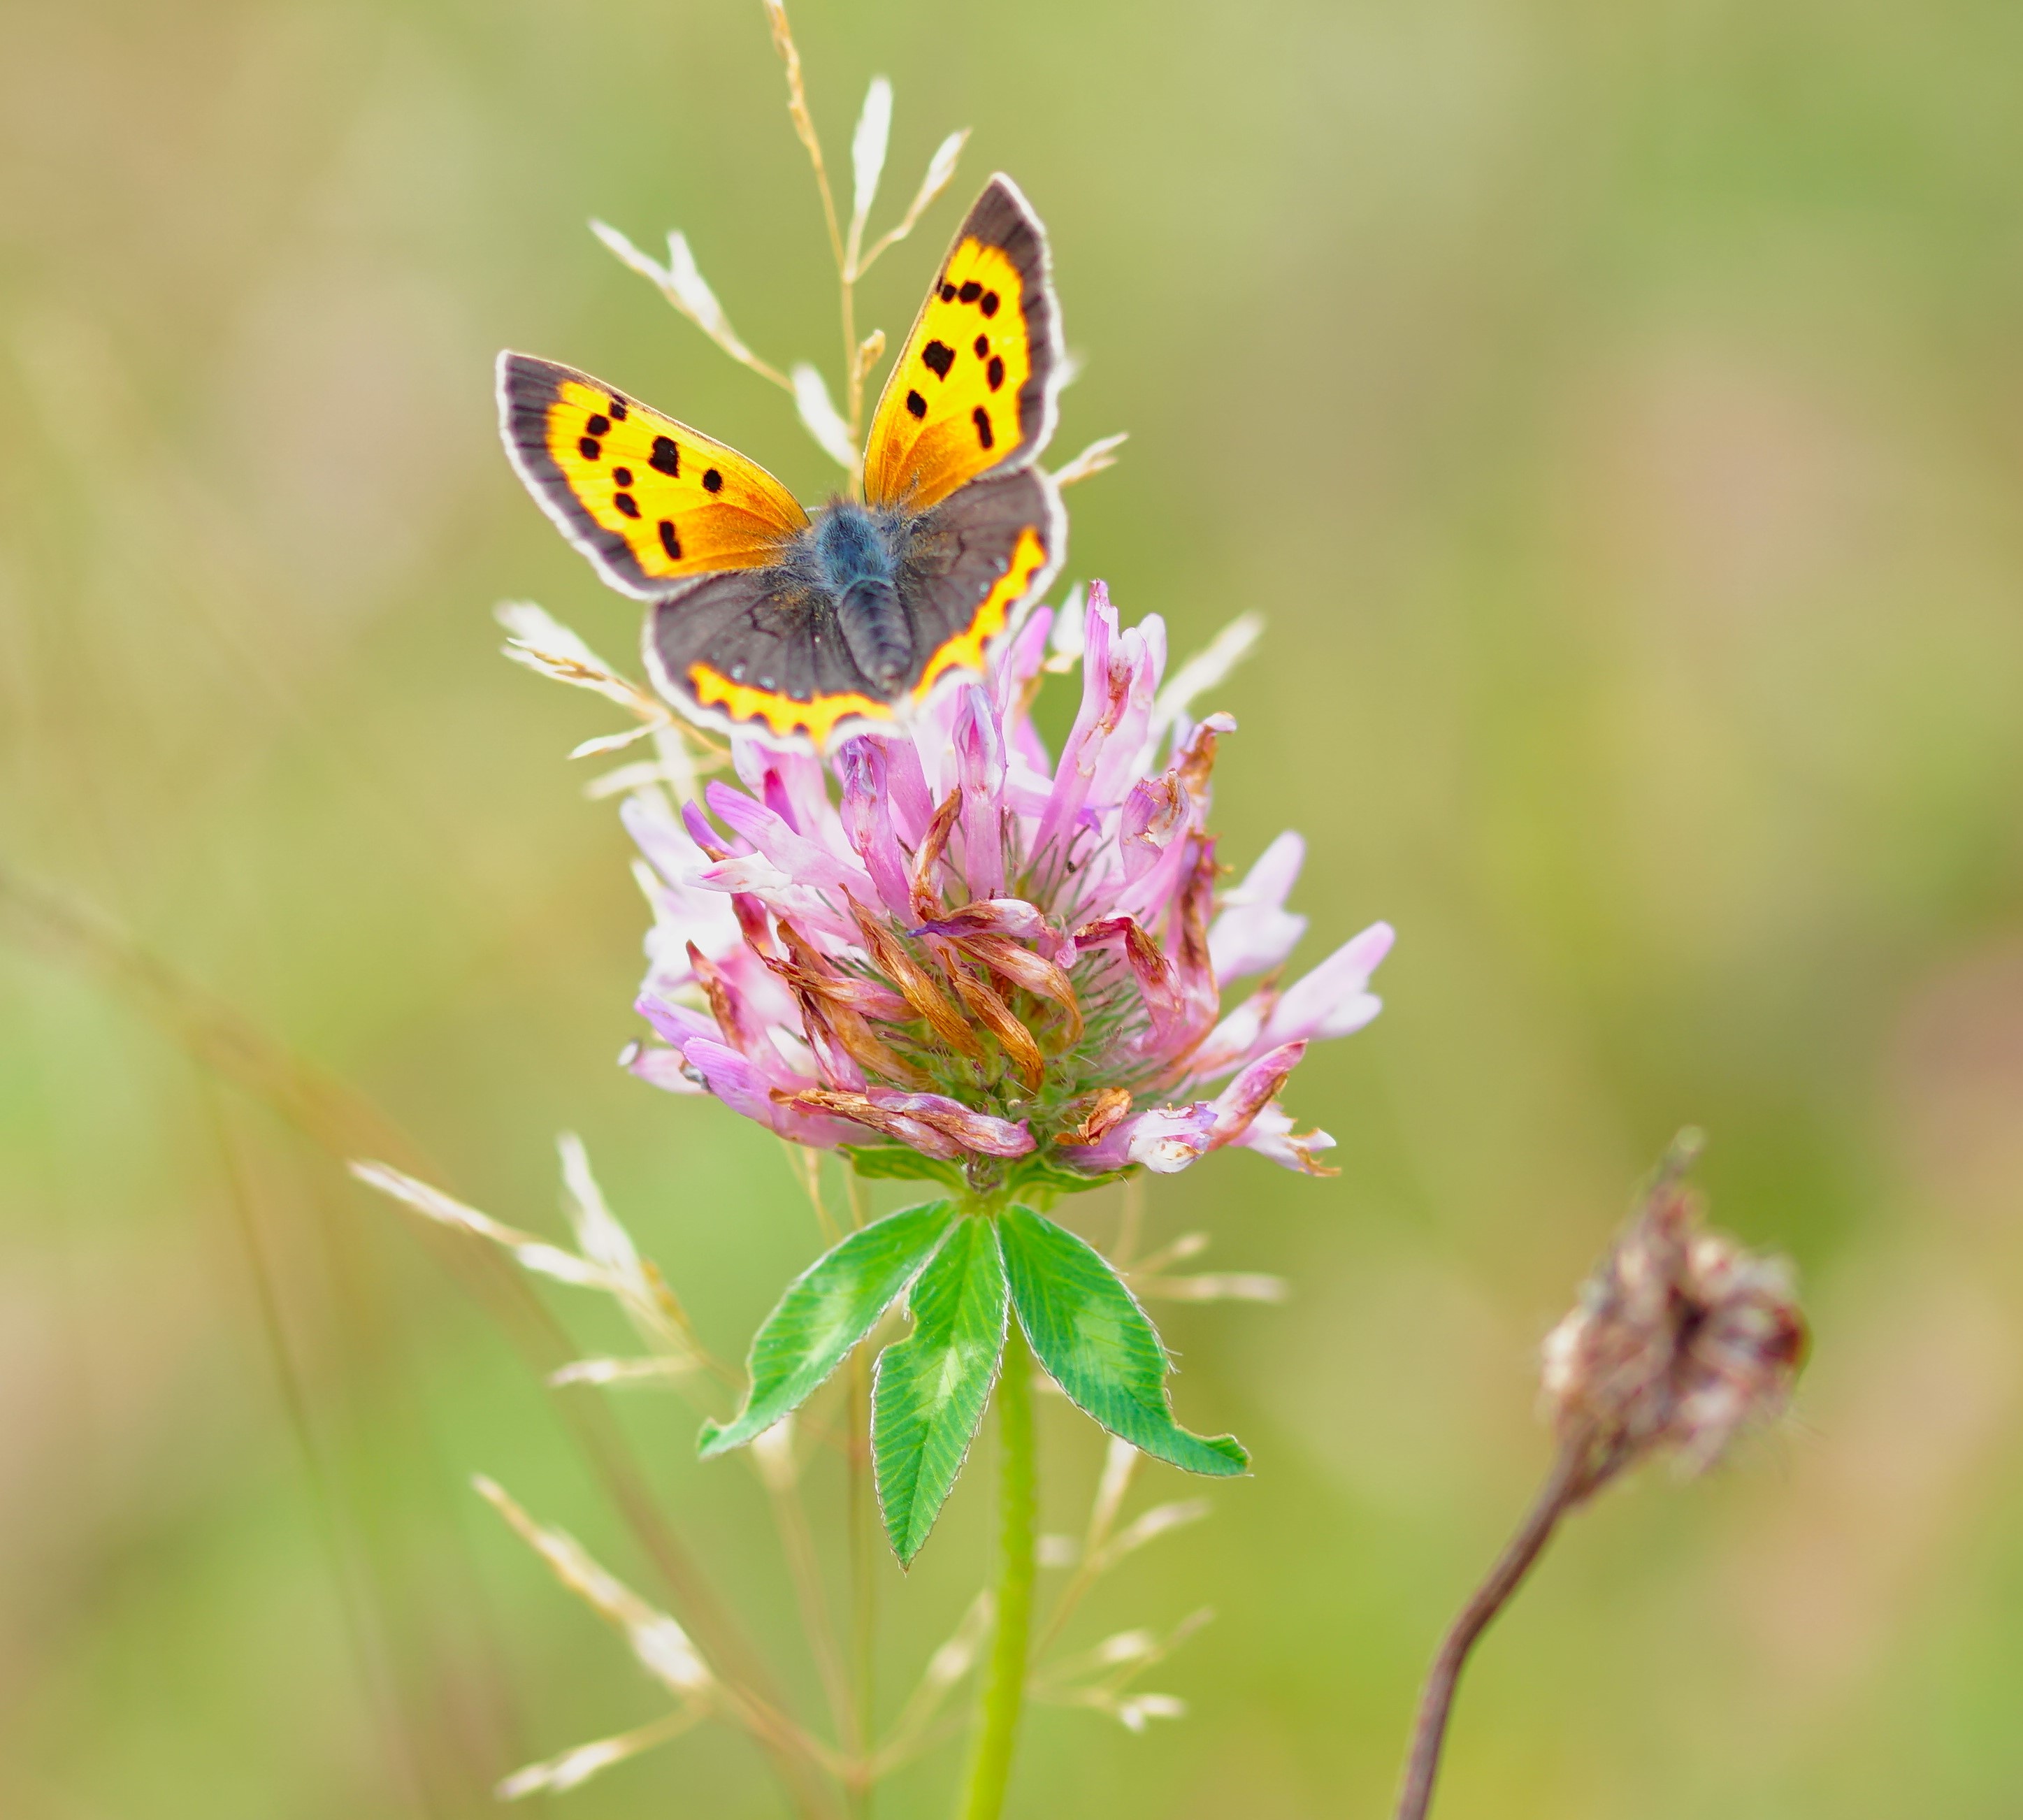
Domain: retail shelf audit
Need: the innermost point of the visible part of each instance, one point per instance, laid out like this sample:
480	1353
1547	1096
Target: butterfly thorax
852	556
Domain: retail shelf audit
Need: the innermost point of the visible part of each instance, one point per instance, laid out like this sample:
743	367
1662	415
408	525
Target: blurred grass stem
358	1615
846	251
1564	1488
1119	1465
1004	1696
344	1124
860	1519
803	1567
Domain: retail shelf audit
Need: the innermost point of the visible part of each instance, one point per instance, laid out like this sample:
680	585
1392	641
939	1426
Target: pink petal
1010	916
1155	973
912	803
864	766
1194	758
1165	1139
1148	895
913	1133
1333	1000
793	784
1154	816
742	1086
979	765
1102	701
678	1024
1233	1039
974	1130
1271	1135
755	877
1240	1102
705	833
1142	650
1255	932
1022	662
657	1067
805	861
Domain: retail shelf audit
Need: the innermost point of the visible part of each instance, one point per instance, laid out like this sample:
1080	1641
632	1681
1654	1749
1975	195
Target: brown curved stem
1565	1486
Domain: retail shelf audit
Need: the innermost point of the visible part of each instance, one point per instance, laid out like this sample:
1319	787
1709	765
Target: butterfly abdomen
860	574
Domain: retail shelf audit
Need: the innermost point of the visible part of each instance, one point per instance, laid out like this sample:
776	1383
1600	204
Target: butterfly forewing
973	389
648	499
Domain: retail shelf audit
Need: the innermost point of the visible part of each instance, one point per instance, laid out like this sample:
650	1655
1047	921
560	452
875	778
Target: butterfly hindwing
973	388
755	648
971	560
647	499
764	647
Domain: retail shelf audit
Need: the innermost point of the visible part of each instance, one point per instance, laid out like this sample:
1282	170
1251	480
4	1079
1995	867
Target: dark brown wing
758	651
970	562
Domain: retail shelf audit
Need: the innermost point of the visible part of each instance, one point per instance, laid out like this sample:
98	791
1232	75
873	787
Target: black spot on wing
983	345
669	541
666	457
981	418
917	404
938	356
713	482
995	372
617	410
627	504
1001	219
970	291
599	425
989	304
948	292
589	447
622	476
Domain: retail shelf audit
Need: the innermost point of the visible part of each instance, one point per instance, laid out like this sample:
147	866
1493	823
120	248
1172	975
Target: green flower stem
1018	1505
863	1519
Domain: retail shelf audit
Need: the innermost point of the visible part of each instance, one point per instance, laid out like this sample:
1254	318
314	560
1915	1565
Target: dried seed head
1681	1339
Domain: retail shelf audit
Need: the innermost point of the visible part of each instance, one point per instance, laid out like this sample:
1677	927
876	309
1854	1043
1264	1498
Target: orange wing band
817	718
965	649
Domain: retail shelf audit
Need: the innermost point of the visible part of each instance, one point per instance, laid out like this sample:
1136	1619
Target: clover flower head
948	941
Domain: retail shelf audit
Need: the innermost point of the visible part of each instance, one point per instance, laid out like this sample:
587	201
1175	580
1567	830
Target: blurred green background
1618	411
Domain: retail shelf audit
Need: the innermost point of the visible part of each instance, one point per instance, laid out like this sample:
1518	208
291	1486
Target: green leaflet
932	1386
895	1163
826	1310
1098	1345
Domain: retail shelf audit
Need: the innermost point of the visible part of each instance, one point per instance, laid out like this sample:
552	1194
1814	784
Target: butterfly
808	630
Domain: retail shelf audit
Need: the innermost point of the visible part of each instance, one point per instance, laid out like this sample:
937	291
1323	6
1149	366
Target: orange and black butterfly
807	630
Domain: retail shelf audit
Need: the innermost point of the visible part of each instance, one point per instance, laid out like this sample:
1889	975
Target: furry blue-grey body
860	600
852	555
